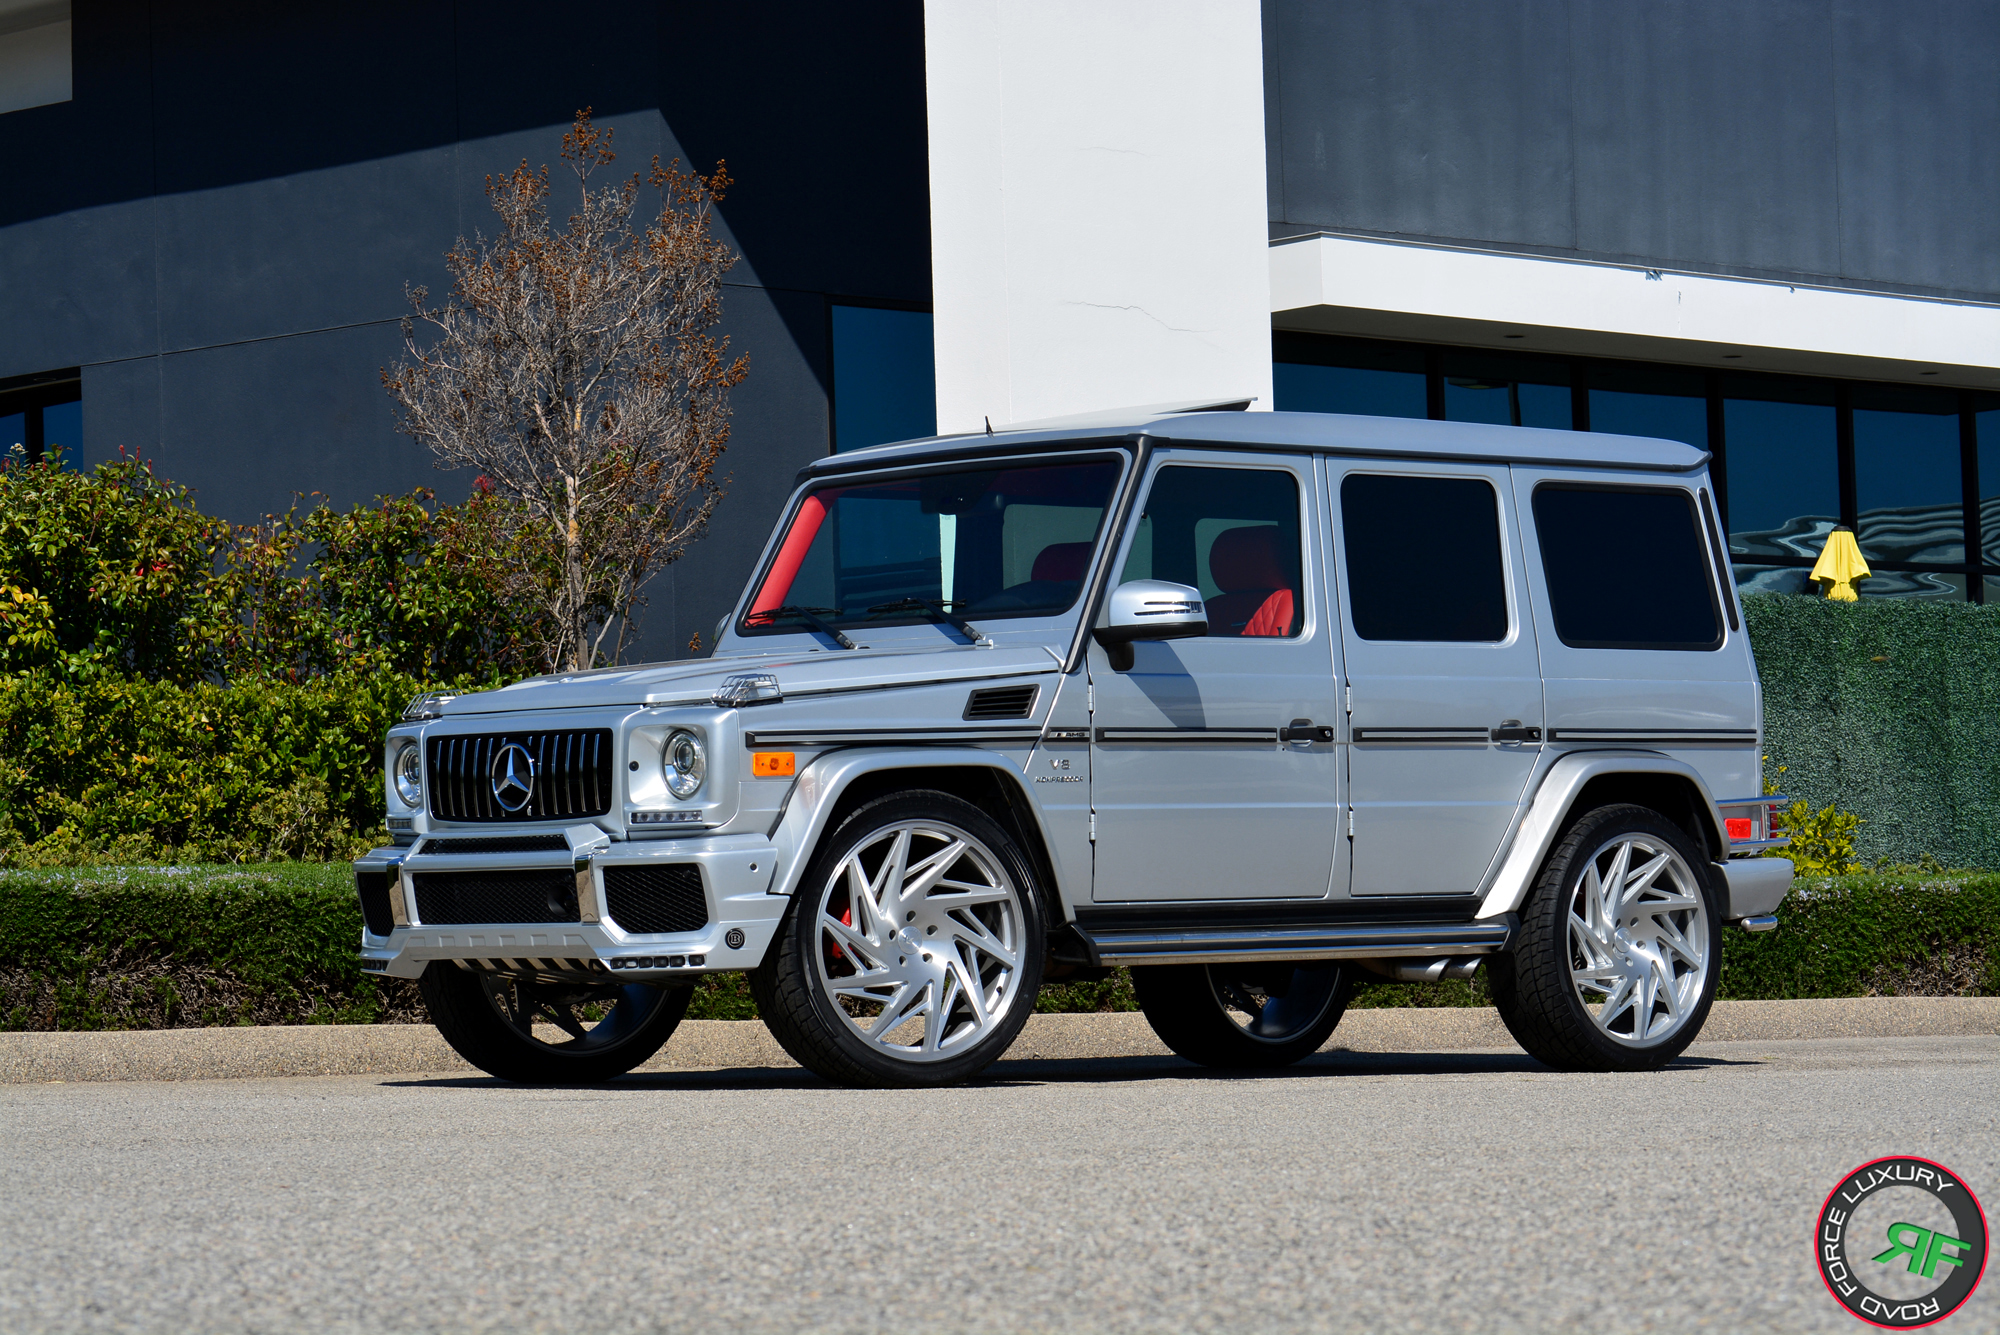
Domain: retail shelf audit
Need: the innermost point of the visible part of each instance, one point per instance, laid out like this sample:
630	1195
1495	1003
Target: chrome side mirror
1149	609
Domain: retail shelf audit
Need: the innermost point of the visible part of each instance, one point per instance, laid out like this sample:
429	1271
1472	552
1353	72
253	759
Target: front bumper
737	873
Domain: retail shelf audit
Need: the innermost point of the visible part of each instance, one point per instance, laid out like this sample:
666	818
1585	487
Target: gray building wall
218	227
1846	142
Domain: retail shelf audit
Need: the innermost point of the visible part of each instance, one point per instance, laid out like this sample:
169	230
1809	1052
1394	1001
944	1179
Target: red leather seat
1256	597
1061	561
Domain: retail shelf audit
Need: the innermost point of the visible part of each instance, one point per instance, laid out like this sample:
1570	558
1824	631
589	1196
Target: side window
1233	533
1626	568
1423	558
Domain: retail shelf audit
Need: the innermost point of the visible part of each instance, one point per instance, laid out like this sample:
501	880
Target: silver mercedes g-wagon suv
1262	705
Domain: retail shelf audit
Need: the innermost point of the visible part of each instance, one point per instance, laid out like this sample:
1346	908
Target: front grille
448	897
533	843
656	899
572	775
373	889
1001	702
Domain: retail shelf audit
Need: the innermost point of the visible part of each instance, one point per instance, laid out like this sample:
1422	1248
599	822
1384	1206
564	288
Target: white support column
1097	205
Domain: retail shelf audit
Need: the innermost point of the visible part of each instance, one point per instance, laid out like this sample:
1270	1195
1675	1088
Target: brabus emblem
513	776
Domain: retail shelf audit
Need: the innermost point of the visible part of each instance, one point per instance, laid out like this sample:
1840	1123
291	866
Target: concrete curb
407	1049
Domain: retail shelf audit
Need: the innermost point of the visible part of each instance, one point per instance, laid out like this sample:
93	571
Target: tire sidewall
1551	911
1182	1007
475	1030
802	925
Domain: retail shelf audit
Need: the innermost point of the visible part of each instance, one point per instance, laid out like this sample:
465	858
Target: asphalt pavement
1455	1191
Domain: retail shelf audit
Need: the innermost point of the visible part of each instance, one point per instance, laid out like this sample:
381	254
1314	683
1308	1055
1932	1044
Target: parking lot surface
1462	1191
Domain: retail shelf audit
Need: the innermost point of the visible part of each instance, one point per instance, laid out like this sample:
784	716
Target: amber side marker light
774	764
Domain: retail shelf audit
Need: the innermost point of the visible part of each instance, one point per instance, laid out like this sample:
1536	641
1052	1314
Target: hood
692	681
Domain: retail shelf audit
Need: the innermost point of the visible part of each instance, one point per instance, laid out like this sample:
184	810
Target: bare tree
575	370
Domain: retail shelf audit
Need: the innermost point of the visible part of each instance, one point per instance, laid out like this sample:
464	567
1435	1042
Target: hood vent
1001	702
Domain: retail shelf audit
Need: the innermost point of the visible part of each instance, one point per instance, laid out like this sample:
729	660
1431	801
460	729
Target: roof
1325	433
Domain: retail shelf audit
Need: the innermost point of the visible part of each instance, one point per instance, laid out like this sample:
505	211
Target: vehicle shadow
1089	1070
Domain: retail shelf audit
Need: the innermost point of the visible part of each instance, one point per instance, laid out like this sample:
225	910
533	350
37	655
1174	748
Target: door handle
1512	731
1305	730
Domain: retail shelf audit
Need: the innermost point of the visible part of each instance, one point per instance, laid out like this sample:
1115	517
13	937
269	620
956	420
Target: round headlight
684	763
409	775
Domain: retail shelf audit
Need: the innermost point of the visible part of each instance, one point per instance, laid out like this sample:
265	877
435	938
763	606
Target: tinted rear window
1423	558
1626	568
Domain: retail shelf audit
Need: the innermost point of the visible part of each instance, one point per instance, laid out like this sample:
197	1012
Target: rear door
1445	692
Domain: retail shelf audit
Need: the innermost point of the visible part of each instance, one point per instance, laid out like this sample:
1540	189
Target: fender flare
1553	799
817	791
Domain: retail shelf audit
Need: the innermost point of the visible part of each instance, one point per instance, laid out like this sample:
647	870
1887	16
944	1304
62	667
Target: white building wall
1098	236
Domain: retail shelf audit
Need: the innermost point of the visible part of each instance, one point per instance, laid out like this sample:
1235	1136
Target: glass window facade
1313	375
884	376
40	413
1914	471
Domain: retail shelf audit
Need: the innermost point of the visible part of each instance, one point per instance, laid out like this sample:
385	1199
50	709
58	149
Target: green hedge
151	948
134	770
1889	709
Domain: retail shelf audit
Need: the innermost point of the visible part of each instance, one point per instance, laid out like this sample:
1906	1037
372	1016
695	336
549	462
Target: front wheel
1616	962
1243	1016
544	1032
912	951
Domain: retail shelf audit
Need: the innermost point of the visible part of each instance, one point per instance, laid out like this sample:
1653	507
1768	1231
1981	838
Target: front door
1445	703
1209	776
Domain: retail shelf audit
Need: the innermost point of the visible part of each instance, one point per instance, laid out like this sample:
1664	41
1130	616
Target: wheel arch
841	782
1584	780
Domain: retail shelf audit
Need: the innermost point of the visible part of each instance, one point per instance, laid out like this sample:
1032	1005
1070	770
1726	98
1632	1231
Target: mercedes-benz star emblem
513	776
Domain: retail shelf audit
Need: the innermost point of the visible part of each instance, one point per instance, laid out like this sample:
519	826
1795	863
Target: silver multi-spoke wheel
1618	952
919	933
1638	939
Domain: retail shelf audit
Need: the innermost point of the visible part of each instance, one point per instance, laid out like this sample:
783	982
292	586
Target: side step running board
1212	945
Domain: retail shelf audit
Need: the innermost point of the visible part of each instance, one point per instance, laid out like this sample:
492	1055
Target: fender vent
1001	702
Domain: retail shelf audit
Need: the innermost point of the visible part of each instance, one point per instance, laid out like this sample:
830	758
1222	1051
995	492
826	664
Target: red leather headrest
1247	558
1061	561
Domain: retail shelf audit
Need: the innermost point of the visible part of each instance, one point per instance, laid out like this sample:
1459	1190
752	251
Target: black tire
1540	984
1288	1009
812	988
489	1020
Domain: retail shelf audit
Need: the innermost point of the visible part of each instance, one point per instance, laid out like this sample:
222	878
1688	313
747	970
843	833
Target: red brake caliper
846	920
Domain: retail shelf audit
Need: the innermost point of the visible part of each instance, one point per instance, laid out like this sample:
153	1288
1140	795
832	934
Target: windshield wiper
810	615
937	610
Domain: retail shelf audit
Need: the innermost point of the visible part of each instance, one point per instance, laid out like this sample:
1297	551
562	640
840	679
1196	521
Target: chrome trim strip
1659	737
892	736
1261	736
1423	735
1374	941
1066	735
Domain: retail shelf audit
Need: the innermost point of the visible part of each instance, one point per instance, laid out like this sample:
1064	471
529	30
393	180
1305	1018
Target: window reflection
62	428
1784	474
13	432
1907	485
1506	391
1649	401
1989	488
1312	375
884	376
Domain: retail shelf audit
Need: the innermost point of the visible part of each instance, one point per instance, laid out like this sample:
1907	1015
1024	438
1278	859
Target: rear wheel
1615	965
1244	1015
912	951
538	1032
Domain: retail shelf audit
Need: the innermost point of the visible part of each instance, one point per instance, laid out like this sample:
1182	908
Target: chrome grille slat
572	775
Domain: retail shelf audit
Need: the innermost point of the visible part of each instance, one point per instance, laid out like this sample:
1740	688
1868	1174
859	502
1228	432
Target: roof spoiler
1123	416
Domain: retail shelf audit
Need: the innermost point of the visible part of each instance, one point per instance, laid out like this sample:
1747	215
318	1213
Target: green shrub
106	767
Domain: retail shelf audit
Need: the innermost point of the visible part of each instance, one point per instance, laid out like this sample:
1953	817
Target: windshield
985	544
